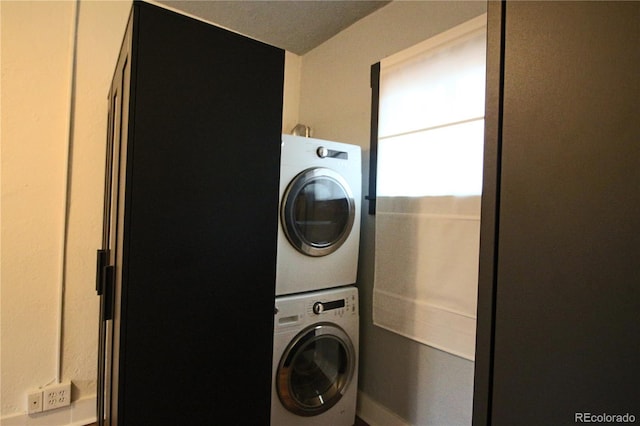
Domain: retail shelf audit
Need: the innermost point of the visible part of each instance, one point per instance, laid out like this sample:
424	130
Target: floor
359	422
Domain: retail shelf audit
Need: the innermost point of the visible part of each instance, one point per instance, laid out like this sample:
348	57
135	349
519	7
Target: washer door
315	370
317	212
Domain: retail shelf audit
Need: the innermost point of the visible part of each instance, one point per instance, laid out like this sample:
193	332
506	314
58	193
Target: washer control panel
338	307
320	307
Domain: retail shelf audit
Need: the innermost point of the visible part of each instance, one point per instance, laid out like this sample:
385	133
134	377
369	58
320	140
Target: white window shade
429	181
441	161
441	86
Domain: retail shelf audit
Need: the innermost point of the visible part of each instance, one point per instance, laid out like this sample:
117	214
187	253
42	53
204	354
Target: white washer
319	226
315	359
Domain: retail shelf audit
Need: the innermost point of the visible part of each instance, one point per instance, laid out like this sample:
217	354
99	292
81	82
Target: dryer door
315	370
317	211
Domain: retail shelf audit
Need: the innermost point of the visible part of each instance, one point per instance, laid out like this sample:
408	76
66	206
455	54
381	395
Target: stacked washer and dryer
315	342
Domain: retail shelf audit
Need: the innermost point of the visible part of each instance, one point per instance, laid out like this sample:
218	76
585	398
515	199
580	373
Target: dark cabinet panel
198	200
566	287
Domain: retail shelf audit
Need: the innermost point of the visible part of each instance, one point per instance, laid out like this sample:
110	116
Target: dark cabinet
186	272
559	295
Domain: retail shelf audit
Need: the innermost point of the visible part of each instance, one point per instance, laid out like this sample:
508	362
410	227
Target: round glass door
318	212
315	370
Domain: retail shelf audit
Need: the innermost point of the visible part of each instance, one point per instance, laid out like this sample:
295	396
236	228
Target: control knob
322	152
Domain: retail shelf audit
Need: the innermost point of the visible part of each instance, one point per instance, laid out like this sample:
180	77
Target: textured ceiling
296	26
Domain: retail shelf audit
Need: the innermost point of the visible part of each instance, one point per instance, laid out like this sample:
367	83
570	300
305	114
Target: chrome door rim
286	212
323	402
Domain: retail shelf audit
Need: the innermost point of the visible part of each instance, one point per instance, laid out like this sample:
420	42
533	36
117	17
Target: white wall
38	109
36	76
419	384
422	385
291	101
38	40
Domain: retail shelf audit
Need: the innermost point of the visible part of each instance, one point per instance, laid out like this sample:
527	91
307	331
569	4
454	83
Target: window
431	116
428	184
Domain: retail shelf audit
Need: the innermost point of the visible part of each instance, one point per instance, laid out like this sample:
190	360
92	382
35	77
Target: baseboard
376	414
79	413
83	412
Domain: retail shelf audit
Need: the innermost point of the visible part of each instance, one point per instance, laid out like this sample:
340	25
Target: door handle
109	289
102	259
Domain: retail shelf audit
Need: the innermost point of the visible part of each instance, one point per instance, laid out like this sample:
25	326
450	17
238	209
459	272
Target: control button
322	152
318	308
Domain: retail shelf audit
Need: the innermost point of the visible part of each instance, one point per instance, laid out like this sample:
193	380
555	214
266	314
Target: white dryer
319	226
315	359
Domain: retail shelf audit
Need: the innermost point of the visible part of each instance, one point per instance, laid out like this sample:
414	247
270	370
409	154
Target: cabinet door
567	274
111	255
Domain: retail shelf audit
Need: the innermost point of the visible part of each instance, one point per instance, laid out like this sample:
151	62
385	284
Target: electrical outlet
34	402
56	396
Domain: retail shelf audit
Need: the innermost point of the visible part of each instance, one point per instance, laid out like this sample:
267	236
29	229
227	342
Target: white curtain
426	270
429	180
